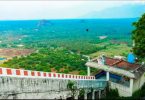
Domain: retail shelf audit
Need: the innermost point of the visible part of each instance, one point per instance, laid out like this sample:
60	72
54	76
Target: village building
125	76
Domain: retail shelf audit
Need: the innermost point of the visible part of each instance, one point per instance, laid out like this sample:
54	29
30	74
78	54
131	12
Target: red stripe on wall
25	73
44	74
32	73
18	72
9	71
62	75
58	75
38	73
73	76
1	72
49	75
69	76
65	76
54	75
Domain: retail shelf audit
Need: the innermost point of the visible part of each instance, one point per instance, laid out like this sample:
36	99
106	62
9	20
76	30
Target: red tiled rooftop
120	63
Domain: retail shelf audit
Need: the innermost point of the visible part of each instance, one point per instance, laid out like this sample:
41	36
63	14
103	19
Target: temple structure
122	75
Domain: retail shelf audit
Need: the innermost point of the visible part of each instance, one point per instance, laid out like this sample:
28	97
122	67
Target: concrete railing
95	84
39	74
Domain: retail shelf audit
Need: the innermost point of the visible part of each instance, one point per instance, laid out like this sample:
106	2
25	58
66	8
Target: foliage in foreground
112	94
139	37
72	87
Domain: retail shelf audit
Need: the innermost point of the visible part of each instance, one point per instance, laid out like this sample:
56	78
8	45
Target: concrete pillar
76	96
107	76
85	95
99	94
88	68
93	95
88	71
131	85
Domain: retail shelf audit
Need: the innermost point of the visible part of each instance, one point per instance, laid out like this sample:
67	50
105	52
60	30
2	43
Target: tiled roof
136	69
119	63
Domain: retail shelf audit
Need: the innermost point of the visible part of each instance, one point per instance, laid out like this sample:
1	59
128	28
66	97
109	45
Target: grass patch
112	50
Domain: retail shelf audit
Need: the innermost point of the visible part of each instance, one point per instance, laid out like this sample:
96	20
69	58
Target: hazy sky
16	10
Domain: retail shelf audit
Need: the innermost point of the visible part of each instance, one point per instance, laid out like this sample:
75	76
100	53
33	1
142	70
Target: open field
10	53
113	50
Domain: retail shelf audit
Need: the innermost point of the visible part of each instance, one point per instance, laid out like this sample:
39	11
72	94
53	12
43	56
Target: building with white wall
122	75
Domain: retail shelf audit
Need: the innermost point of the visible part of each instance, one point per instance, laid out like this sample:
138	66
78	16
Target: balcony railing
98	83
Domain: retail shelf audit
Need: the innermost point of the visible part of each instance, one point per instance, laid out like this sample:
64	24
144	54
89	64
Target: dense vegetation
139	37
58	60
72	34
60	44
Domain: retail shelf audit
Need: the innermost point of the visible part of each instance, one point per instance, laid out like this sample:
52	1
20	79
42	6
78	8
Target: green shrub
112	93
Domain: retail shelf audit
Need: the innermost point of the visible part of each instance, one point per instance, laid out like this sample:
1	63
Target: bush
112	94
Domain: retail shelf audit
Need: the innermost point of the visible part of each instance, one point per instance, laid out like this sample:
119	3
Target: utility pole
88	68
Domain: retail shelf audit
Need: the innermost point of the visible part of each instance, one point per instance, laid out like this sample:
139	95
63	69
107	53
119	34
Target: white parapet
39	74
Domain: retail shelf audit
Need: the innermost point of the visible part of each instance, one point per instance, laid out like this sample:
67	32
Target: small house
123	75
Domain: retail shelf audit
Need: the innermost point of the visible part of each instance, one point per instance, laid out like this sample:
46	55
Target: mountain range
125	11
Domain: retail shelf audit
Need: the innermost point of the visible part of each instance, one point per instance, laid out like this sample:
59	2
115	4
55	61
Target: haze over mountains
125	11
27	10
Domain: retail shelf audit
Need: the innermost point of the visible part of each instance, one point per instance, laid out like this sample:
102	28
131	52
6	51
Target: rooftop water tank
131	58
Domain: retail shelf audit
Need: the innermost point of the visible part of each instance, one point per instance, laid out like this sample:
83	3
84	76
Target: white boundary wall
39	74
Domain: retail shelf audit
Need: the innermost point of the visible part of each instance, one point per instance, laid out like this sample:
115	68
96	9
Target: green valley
59	45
